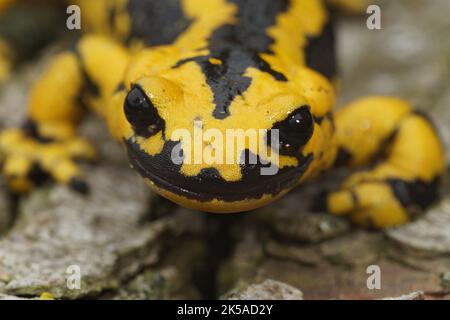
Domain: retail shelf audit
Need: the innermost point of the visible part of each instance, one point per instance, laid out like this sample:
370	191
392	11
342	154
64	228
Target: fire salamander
151	67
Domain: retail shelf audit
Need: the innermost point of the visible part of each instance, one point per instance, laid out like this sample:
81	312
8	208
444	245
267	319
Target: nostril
141	113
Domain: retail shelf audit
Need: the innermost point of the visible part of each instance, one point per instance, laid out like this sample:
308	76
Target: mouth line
229	191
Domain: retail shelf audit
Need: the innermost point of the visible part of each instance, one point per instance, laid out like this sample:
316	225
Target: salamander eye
141	113
295	131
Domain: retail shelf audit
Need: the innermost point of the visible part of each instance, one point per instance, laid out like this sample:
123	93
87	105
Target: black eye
294	132
141	113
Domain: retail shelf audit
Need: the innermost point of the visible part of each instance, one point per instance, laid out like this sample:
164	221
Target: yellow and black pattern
409	162
152	67
233	79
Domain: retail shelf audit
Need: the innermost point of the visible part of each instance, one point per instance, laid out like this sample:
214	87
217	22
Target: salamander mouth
208	184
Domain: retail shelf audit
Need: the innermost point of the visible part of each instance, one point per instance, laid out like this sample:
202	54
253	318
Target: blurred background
131	244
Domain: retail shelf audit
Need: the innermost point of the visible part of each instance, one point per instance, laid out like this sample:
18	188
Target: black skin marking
37	175
238	48
120	87
416	194
30	128
343	157
320	202
320	52
157	22
226	80
328	115
255	17
390	139
90	87
209	185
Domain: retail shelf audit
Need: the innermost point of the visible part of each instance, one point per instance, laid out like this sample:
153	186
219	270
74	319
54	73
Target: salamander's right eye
141	113
295	131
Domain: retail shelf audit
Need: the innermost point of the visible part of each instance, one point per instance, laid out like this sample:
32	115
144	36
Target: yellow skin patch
182	97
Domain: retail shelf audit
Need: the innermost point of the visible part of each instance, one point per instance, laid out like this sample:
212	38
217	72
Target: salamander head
268	143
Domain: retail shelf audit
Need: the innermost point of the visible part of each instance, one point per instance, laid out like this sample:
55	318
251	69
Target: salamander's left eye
141	113
295	131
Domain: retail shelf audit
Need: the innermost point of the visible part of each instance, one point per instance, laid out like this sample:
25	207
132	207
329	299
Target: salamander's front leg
406	158
27	161
47	142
